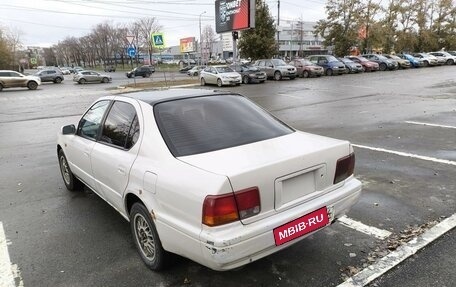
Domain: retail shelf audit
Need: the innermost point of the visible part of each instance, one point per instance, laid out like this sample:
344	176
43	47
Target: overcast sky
45	22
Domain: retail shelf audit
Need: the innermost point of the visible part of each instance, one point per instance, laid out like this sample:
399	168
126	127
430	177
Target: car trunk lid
287	170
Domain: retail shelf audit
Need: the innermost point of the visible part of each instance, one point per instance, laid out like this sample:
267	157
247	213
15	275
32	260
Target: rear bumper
231	246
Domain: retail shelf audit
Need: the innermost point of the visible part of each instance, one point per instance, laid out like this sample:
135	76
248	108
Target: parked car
449	59
110	68
306	69
368	66
403	63
415	62
65	71
50	76
428	60
350	66
78	69
142	71
195	71
220	76
208	175
13	79
186	69
330	64
383	62
250	74
276	69
91	77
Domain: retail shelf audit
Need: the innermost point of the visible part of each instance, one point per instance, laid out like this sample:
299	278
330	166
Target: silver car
276	69
220	76
91	77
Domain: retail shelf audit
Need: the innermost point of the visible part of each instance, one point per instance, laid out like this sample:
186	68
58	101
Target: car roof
158	96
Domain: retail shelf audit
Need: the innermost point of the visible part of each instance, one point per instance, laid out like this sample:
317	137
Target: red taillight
219	209
226	208
345	167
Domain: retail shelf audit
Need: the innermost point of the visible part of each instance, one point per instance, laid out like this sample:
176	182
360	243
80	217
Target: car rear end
283	185
283	190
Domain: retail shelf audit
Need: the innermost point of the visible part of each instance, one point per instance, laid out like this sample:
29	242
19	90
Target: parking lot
402	124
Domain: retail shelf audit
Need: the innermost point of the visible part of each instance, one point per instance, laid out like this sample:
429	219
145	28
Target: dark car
383	62
329	63
51	75
306	69
186	68
368	66
110	68
143	71
351	66
250	74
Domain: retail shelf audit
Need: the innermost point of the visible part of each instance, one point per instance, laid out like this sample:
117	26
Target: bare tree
208	40
143	28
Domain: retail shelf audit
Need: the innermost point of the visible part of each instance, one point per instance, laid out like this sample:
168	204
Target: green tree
259	42
341	27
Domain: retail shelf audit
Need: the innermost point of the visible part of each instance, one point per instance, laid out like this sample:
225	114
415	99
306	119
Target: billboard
187	45
234	15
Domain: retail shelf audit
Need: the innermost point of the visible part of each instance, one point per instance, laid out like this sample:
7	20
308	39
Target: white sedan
207	175
220	76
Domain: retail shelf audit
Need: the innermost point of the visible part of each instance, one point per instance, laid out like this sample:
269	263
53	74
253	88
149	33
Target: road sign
131	52
158	40
130	39
33	61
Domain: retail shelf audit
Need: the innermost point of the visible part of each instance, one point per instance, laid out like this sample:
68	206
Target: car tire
1	87
450	62
203	82
277	76
146	238
58	80
105	80
329	72
246	79
195	74
70	181
305	74
32	85
382	67
219	83
426	63
82	81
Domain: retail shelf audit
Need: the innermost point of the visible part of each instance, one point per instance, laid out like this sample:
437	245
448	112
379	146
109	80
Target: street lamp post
201	40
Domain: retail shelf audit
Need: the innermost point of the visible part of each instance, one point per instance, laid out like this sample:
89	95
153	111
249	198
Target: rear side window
118	124
203	124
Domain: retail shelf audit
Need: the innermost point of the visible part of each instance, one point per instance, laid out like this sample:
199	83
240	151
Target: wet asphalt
59	238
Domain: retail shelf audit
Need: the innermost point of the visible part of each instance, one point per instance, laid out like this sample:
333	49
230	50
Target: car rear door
117	148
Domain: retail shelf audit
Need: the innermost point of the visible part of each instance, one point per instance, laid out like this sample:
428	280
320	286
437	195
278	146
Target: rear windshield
203	124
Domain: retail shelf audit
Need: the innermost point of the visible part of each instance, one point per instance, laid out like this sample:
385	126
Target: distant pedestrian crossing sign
158	40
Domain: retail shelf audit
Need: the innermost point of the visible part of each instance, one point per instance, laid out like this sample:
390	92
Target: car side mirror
68	130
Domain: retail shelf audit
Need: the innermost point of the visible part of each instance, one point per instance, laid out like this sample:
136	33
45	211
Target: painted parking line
433	159
393	259
6	271
431	125
366	229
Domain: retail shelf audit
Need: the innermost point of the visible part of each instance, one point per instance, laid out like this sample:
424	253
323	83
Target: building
296	39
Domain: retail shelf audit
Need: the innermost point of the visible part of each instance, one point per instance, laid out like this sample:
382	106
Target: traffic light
235	35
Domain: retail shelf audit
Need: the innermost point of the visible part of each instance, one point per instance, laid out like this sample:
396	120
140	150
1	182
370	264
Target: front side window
203	124
118	125
89	125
